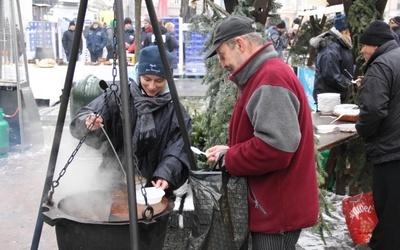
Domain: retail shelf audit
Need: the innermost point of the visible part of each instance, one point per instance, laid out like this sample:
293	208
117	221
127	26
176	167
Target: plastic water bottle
4	136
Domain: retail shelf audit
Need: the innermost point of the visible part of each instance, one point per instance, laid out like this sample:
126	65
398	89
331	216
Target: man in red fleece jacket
271	138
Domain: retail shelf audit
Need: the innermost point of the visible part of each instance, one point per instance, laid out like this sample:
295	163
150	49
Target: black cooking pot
82	222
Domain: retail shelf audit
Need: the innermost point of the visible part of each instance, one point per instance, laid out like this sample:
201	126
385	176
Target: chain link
113	92
56	182
115	54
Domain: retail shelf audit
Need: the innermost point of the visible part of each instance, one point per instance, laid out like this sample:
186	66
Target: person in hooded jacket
274	34
96	40
334	58
157	141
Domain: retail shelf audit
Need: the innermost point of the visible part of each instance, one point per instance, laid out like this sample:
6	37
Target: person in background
96	40
129	32
8	43
274	35
395	27
67	39
378	124
147	28
292	31
171	31
20	41
334	58
168	42
109	30
271	140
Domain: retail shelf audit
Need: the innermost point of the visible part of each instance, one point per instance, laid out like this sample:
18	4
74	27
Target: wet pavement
22	177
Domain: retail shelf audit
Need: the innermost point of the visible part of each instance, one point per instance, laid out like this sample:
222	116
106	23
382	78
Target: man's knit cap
281	25
127	20
376	34
396	19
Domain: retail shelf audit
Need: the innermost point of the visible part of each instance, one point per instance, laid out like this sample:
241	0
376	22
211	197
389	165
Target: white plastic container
154	195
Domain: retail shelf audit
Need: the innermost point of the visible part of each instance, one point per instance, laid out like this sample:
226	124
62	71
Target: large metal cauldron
85	221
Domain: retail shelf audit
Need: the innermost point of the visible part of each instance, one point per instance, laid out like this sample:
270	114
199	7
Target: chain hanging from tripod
112	92
114	86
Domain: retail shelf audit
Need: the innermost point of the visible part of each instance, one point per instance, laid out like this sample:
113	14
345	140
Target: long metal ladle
115	152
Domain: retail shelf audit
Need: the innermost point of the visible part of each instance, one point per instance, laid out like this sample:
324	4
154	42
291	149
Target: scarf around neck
145	130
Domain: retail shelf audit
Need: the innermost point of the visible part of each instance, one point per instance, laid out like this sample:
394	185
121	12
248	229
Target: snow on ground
21	182
339	237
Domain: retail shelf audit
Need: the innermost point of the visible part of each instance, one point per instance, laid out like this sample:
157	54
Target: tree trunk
314	33
230	5
187	10
138	28
381	5
261	10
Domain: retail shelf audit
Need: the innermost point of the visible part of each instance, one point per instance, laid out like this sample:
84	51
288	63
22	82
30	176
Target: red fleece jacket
271	142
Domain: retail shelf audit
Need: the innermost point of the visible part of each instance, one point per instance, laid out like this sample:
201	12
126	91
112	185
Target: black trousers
386	192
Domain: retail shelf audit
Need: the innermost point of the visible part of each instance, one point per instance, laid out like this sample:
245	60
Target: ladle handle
340	116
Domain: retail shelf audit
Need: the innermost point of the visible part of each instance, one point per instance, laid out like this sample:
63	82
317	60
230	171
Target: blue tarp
306	77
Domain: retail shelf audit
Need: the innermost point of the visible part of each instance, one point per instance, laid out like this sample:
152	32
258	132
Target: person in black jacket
378	124
67	40
157	140
169	43
334	58
129	32
395	27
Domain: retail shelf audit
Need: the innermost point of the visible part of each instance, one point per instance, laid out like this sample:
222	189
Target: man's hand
213	152
359	81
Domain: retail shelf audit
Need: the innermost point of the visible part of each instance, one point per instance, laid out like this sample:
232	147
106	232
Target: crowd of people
100	39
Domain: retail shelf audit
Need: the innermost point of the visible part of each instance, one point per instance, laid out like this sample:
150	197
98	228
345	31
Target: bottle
4	136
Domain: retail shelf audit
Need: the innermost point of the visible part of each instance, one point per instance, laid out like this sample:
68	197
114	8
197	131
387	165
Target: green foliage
355	156
360	15
221	94
299	51
273	16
